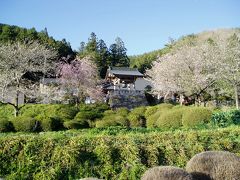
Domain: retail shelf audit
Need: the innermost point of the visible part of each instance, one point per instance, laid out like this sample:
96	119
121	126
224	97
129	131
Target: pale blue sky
144	25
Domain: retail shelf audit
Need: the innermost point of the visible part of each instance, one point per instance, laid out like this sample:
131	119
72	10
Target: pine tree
118	53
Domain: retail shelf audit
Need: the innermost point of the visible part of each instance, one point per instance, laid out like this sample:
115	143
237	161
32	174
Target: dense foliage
90	153
14	33
144	61
115	55
223	119
38	117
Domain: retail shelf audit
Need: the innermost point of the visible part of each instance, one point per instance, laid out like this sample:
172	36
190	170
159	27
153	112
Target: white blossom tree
188	70
229	63
16	60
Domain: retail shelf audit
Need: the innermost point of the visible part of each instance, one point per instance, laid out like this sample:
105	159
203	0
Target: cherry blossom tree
80	78
17	60
229	63
188	70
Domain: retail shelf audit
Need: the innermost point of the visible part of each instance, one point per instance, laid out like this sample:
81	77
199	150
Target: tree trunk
16	111
216	98
236	96
16	108
197	100
181	99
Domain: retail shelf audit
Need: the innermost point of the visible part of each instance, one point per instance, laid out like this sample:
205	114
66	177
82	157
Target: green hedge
25	124
164	106
76	124
65	156
195	116
6	111
114	118
136	117
153	113
170	119
52	117
51	124
151	120
150	110
5	125
224	119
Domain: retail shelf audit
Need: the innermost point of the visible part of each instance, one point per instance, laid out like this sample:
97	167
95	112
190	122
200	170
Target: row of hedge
168	116
62	156
35	118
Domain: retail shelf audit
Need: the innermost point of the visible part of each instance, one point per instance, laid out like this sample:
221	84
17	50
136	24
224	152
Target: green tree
98	52
103	56
118	54
14	33
91	46
7	34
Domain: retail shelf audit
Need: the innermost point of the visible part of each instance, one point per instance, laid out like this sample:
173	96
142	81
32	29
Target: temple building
125	87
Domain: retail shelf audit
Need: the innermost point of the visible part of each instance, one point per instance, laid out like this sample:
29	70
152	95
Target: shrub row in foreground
175	117
61	155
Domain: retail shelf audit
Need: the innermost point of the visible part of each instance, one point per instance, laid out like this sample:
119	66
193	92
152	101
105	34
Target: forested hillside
144	61
10	33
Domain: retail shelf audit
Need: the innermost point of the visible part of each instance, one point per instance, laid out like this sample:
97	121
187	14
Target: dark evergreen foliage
10	33
115	55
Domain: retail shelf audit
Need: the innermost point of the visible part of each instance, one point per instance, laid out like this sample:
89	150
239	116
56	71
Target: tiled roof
124	71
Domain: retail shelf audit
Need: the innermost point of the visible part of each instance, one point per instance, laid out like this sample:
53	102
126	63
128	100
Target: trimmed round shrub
179	107
150	111
106	123
136	117
6	111
108	112
32	110
73	124
99	107
170	119
112	120
121	120
66	112
91	111
156	111
151	120
5	125
165	106
122	112
214	165
25	124
87	115
51	124
166	173
194	116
